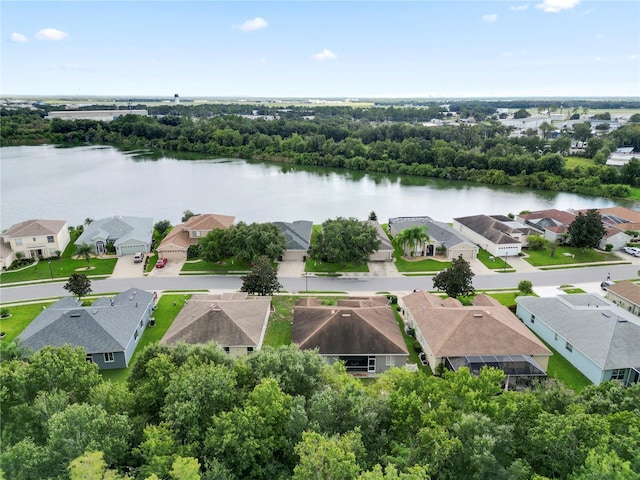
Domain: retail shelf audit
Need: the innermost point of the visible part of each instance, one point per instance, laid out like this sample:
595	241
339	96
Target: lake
98	181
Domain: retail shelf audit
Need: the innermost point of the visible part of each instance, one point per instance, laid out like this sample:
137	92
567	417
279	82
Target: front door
372	365
100	247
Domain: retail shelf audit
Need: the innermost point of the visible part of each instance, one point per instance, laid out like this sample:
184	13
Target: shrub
525	287
537	242
416	346
608	247
4	312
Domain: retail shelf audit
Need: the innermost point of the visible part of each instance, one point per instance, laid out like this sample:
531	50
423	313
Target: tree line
482	153
189	412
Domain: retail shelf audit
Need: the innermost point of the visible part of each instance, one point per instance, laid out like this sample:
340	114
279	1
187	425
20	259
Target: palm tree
84	250
413	237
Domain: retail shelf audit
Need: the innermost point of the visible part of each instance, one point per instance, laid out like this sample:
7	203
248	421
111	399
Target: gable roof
606	334
106	326
298	234
490	228
438	231
119	229
483	329
385	243
348	330
549	217
34	228
179	237
229	320
627	290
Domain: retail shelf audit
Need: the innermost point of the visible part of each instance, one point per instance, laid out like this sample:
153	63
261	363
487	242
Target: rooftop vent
346	314
606	314
74	314
622	320
94	311
477	315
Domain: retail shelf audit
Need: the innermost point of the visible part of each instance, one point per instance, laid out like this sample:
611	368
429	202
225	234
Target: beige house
361	332
34	239
626	295
235	321
175	245
485	334
385	250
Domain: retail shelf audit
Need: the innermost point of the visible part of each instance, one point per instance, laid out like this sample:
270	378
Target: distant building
98	115
622	156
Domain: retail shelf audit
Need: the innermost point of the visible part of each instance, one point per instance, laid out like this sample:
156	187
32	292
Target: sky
321	49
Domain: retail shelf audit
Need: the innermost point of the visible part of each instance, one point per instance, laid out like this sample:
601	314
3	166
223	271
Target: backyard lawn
560	369
568	256
280	324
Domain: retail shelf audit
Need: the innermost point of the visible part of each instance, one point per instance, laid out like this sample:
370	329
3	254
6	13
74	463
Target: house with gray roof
441	237
298	235
128	235
237	322
109	330
37	238
597	337
497	234
385	248
626	295
361	332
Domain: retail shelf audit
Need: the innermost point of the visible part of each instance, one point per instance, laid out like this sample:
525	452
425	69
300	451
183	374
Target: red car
161	262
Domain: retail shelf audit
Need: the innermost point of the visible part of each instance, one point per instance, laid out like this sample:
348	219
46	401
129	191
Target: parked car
161	263
606	283
635	251
138	257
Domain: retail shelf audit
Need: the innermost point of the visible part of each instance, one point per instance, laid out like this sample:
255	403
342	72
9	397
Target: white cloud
555	6
519	8
490	18
18	38
51	34
254	24
325	54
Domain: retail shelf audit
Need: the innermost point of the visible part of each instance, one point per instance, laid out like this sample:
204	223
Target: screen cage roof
513	365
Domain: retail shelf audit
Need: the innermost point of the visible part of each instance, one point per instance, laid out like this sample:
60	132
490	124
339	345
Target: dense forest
376	139
190	412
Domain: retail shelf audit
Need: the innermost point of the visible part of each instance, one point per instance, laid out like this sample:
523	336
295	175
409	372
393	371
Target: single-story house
625	295
129	235
34	239
175	245
497	234
622	218
298	235
385	250
554	223
441	237
361	332
237	322
597	337
109	330
485	334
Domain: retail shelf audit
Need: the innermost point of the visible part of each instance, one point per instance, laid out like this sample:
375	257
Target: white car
632	251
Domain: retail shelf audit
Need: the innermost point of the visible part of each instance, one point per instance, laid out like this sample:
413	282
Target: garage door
173	254
132	249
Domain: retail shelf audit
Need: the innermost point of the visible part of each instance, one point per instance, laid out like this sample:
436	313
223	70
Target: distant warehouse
101	115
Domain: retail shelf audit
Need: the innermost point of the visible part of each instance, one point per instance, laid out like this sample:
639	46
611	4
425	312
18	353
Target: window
555	337
108	357
617	374
195	233
226	349
249	349
50	239
141	324
569	347
89	358
389	361
18	242
533	319
135	335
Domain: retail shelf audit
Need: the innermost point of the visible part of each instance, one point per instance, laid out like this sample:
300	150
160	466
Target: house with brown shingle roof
237	322
621	219
484	334
554	223
361	332
34	239
497	234
626	295
175	245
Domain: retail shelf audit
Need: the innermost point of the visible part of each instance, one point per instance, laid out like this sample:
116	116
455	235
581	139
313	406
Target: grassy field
496	264
21	316
543	257
573	162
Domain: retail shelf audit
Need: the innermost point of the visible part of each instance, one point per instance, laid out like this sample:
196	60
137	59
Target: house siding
133	342
509	250
623	303
586	366
381	361
119	360
30	244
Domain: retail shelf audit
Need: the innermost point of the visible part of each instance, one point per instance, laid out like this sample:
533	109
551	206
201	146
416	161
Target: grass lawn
21	316
635	193
227	265
325	267
573	290
413	356
573	162
561	369
165	314
492	262
539	258
426	265
505	298
151	262
61	268
280	321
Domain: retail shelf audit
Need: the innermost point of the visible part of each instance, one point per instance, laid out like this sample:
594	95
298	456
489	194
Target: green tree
78	284
345	240
162	227
91	466
522	113
586	230
455	280
215	246
545	128
185	469
84	250
187	214
635	118
414	237
262	279
537	242
525	287
373	216
582	131
328	458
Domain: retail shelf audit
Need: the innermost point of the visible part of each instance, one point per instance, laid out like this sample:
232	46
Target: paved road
354	284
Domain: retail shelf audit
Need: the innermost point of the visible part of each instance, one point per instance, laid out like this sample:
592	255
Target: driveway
127	268
383	269
171	269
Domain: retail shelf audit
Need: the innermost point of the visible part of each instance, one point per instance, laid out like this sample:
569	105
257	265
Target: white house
34	239
493	234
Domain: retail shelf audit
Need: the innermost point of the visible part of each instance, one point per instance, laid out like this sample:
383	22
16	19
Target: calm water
75	183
